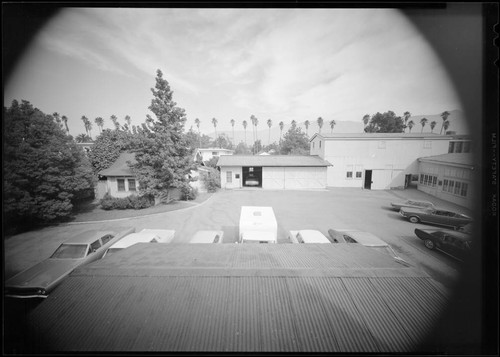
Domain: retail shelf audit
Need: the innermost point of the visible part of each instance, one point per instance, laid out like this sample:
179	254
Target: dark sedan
40	279
453	243
436	216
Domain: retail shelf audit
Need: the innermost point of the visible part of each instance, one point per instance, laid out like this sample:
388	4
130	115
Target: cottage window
445	186
349	174
451	147
131	185
458	147
121	184
229	177
434	180
463	192
450	187
359	174
457	188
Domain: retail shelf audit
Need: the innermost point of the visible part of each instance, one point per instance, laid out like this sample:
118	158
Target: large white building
375	161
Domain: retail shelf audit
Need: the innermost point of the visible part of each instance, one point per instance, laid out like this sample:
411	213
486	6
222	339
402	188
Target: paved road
321	210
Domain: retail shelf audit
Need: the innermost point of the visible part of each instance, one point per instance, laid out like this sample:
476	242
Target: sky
278	64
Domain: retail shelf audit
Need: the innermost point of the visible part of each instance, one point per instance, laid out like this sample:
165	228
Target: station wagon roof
131	239
364	238
88	237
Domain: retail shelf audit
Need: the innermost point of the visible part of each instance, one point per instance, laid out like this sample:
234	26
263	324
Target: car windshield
70	251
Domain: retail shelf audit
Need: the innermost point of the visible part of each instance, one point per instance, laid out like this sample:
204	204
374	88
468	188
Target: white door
381	179
299	178
273	178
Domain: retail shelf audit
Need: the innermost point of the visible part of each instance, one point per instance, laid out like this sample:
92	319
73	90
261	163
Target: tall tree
45	172
295	142
446	125
332	124
306	124
197	122
281	124
85	120
366	119
293	124
232	124
164	160
245	127
65	121
320	123
269	124
214	122
386	122
445	116
83	138
57	118
410	124
423	121
406	116
128	120
100	123
88	127
252	120
114	119
433	125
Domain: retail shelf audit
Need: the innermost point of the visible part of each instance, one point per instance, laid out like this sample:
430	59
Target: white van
258	225
144	236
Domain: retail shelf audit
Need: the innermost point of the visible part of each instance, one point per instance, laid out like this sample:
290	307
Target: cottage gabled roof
273	160
120	166
239	298
454	159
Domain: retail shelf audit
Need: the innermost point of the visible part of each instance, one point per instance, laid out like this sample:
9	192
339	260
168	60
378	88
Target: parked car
435	216
207	237
144	236
455	244
412	204
307	236
366	239
39	280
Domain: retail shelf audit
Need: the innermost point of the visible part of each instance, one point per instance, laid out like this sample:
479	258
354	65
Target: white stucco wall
234	171
450	173
112	187
390	159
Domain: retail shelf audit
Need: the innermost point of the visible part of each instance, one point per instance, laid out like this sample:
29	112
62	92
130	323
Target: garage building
273	171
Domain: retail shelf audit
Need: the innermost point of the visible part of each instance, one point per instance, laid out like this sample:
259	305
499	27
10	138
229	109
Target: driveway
321	210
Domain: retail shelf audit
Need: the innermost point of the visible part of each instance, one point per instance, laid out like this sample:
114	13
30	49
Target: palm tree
332	124
446	125
433	125
293	124
445	116
320	123
214	122
57	118
82	138
281	124
128	120
65	121
84	120
245	127
423	121
269	124
406	116
411	124
100	123
114	119
256	123
197	122
366	119
232	124
306	124
88	127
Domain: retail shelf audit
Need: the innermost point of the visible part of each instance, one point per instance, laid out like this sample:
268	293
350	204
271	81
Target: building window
421	178
426	179
229	177
121	184
250	169
131	185
450	186
445	186
457	188
434	180
349	174
458	147
451	147
359	174
463	192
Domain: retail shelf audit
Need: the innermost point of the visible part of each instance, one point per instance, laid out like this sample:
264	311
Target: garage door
273	178
305	177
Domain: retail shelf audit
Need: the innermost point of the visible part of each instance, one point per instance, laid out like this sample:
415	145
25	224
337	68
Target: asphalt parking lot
294	210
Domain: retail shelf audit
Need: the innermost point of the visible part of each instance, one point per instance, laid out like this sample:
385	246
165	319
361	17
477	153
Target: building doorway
252	176
368	179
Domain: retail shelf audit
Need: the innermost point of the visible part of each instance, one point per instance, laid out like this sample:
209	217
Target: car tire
414	219
429	244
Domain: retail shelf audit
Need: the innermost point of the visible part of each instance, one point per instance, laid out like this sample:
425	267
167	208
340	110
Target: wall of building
389	159
112	187
228	177
436	180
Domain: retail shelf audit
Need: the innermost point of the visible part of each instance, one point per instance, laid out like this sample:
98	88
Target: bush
188	192
130	202
211	179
